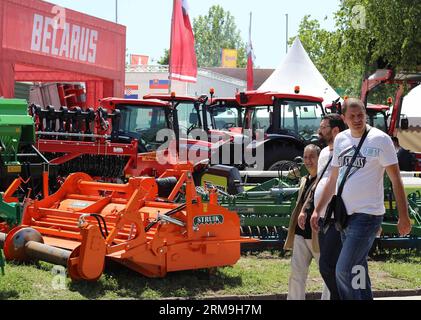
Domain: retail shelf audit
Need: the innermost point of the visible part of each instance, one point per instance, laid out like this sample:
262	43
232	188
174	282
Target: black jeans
330	248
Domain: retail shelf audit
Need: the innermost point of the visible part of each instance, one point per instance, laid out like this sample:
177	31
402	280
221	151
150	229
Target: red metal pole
45	183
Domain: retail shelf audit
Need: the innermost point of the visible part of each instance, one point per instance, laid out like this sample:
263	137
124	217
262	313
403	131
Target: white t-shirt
363	190
324	157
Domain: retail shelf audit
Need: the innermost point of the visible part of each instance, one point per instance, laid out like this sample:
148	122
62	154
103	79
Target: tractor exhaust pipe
26	244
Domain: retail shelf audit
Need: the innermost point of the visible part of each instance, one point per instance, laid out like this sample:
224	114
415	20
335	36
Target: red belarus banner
183	63
66	34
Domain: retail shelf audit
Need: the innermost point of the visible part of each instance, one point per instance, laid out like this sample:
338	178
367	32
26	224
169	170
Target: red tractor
194	126
288	121
381	116
119	139
227	116
115	140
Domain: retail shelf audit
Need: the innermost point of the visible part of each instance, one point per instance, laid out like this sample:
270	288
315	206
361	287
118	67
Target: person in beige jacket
303	243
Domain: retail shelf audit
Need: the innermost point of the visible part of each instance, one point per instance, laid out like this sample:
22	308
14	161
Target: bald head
311	157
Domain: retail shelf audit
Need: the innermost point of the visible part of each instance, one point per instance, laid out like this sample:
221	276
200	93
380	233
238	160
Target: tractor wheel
277	158
283	165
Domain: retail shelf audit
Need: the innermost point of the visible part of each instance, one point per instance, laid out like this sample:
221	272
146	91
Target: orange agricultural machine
137	224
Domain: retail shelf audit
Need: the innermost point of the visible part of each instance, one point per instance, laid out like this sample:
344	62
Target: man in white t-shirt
330	242
363	196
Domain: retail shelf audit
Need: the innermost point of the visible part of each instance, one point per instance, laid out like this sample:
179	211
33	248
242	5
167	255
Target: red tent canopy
43	42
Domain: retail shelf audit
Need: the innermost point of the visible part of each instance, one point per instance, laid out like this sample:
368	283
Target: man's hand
404	226
314	221
302	220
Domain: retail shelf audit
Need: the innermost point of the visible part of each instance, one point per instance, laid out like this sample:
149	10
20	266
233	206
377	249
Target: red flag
183	64
250	57
138	60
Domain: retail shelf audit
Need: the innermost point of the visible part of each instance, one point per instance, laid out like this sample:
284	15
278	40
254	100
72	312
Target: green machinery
390	237
10	213
10	216
18	159
16	128
265	211
18	155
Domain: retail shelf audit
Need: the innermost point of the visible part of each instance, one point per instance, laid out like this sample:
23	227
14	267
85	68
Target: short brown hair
335	120
353	103
314	148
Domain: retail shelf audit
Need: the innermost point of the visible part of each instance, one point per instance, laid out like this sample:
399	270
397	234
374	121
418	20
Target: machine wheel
277	158
283	165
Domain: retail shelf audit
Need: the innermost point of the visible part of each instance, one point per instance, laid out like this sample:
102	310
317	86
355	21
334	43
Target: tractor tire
276	157
283	165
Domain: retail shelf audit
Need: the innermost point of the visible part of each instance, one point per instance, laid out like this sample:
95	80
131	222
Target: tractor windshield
143	123
225	117
298	118
377	119
188	117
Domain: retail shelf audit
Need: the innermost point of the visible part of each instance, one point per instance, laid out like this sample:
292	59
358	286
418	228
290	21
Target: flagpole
169	54
116	11
250	27
250	78
286	33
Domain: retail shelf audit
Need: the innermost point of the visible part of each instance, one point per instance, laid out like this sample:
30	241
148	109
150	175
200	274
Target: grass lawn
264	273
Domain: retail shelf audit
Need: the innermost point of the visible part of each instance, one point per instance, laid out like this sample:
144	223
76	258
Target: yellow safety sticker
14	169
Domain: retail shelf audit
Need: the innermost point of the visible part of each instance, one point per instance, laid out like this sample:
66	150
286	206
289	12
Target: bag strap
341	186
324	170
310	187
316	182
322	174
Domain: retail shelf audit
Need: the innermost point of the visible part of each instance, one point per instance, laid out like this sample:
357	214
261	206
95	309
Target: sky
148	22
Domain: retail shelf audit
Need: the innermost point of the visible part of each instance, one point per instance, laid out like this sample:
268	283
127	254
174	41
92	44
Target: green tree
165	59
369	34
216	31
390	36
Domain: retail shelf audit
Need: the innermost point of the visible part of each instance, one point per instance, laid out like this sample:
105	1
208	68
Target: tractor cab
388	77
378	116
282	114
190	111
141	120
226	115
288	122
402	80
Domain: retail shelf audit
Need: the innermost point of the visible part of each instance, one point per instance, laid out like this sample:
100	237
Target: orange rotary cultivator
137	224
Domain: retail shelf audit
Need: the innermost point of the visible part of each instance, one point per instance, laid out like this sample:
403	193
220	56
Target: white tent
297	69
411	106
